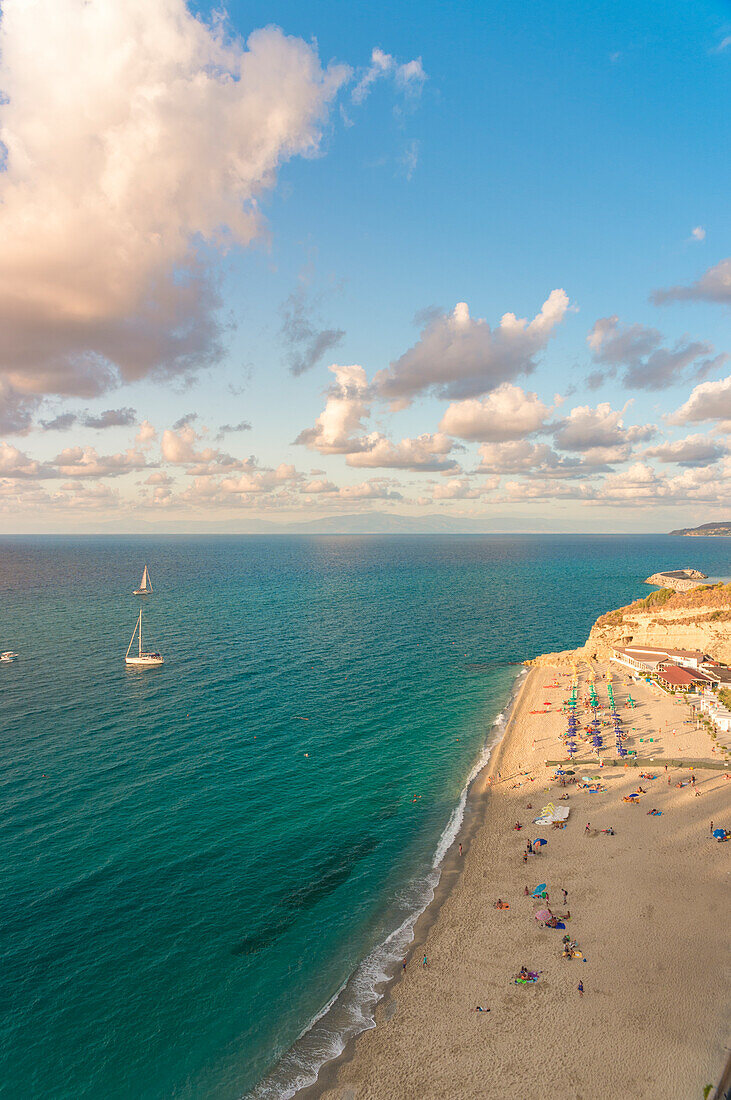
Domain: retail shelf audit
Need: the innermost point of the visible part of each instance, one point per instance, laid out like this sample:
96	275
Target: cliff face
680	580
699	619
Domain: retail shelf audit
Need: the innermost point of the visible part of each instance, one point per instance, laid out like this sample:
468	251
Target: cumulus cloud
133	133
516	456
426	452
16	463
507	413
694	450
179	447
458	356
75	462
305	341
85	462
636	483
646	365
463	489
146	435
347	405
256	480
408	76
698	233
708	401
599	433
713	286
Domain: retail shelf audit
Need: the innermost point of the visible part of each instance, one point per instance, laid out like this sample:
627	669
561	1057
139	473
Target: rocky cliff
680	580
698	619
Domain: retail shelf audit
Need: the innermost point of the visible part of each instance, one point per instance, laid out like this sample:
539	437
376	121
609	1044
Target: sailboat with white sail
145	584
141	659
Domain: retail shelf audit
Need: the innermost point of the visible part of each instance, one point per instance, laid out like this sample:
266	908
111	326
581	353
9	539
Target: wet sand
648	909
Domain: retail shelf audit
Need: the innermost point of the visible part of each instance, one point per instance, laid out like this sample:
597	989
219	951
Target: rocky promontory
697	619
716	529
680	580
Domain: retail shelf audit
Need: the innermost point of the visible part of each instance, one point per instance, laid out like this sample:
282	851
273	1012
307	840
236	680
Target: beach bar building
677	678
645	660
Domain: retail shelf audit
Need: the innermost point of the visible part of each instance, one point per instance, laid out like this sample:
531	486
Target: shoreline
647	985
447	866
451	868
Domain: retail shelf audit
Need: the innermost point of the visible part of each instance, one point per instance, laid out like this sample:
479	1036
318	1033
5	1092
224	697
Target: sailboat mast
140	633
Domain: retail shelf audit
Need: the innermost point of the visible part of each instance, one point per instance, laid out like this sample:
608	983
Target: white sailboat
145	584
141	659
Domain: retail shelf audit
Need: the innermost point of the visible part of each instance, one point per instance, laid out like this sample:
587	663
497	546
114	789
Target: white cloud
146	435
409	76
15	463
647	365
601	429
85	462
636	483
698	233
458	356
515	456
255	481
347	405
426	452
507	413
694	450
134	131
713	286
462	489
708	401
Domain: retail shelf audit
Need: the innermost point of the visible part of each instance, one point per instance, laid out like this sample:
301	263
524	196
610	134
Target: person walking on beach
460	849
423	962
565	895
581	989
586	830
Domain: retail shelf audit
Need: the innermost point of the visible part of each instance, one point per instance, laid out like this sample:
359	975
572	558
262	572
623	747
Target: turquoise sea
196	859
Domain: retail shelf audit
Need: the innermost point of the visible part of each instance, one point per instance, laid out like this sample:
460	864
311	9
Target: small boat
8	656
142	659
145	584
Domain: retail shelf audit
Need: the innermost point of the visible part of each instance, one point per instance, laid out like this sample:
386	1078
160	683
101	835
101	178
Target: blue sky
528	148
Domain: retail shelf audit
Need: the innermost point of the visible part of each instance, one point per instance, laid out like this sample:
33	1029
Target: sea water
209	867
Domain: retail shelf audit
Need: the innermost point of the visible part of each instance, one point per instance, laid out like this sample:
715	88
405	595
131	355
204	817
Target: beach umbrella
540	889
542	914
718	833
539	840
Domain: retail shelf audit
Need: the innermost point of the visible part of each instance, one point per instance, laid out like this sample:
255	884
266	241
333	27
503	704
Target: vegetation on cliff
713	599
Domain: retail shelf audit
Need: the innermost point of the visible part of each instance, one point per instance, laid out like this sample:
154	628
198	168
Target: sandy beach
648	910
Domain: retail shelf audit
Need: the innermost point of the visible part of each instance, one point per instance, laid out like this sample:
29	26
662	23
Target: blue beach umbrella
540	889
539	840
718	833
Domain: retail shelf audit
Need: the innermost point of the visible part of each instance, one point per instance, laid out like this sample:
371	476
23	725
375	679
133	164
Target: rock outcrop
698	619
680	580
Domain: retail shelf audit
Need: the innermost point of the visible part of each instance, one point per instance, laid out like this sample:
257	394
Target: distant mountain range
706	529
357	523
